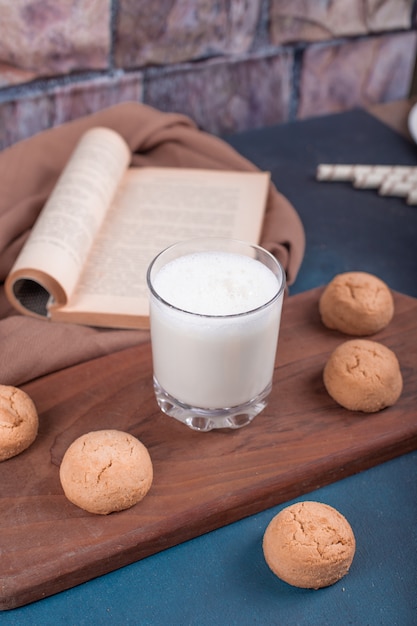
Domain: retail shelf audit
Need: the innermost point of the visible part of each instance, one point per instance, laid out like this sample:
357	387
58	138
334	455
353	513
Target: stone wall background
229	64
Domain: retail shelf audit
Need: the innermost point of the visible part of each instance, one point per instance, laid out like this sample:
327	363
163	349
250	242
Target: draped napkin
32	347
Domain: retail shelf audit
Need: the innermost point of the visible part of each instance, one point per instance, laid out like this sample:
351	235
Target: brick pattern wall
228	64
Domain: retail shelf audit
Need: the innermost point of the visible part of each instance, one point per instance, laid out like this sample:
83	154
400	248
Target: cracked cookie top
105	471
356	303
18	421
309	544
363	375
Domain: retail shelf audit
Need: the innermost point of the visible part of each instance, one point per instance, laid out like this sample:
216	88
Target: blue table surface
221	577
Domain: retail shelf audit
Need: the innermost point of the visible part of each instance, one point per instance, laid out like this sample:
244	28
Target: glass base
208	419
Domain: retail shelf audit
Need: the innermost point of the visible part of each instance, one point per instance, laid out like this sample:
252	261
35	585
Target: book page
60	241
154	208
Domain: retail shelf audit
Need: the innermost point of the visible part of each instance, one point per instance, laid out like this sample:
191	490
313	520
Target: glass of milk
215	310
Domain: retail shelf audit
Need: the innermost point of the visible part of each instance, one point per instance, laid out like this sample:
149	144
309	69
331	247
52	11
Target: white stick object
412	197
390	180
369	180
338	172
397	187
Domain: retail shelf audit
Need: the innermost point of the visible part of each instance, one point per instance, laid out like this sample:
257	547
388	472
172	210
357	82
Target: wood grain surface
202	481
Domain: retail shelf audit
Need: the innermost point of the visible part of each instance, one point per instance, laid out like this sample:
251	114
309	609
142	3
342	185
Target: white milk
219	350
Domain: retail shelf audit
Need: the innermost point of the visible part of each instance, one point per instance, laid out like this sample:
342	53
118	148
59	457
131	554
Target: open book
86	258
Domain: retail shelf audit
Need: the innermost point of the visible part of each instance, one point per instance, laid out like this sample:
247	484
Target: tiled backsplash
230	65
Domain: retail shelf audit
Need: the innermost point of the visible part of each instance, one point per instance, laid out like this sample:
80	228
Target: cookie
363	375
356	303
309	545
105	471
19	421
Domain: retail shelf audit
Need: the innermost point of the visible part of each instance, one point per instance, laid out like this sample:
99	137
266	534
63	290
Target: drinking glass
215	310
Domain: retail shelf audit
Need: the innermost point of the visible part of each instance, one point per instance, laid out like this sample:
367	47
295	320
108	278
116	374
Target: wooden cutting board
202	481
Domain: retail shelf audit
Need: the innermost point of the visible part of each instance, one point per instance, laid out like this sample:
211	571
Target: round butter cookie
356	303
19	421
309	545
363	375
105	471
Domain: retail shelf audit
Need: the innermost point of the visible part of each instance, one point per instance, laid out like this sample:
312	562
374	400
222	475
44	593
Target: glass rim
254	246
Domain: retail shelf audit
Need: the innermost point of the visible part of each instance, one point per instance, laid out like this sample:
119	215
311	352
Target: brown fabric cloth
28	171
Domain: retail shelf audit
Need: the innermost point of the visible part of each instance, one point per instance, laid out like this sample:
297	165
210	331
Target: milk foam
216	283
